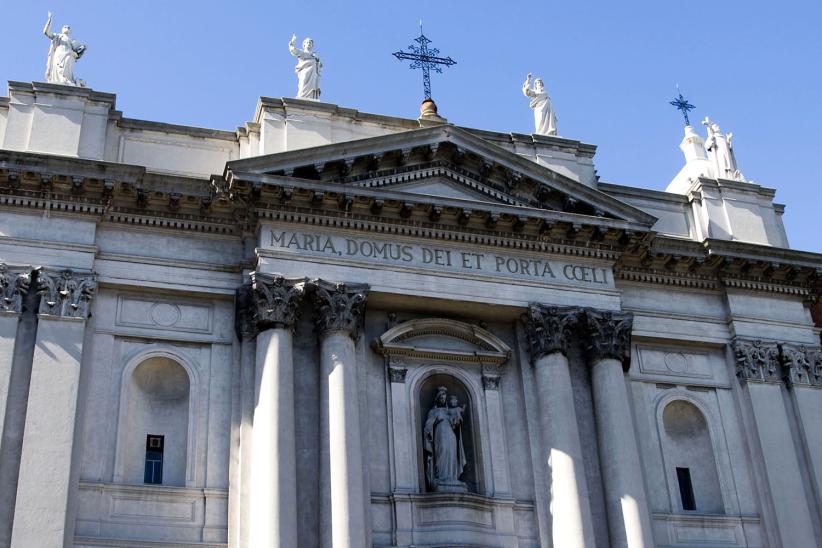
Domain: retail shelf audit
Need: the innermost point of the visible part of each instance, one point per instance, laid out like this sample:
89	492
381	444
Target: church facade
339	329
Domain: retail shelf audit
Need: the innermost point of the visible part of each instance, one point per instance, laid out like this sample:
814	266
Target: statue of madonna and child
442	442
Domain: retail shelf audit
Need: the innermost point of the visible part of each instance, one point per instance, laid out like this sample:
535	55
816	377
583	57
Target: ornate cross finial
425	58
683	106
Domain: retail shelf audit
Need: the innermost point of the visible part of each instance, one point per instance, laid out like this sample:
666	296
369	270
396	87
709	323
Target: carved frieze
66	294
275	299
14	284
549	328
341	306
758	361
609	335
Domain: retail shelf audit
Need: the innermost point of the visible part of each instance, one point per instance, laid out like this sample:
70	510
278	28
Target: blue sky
610	67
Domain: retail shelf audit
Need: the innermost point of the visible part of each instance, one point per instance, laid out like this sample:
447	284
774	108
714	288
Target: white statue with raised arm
62	54
308	69
545	119
721	152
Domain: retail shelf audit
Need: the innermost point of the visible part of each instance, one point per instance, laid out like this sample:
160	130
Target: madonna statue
442	441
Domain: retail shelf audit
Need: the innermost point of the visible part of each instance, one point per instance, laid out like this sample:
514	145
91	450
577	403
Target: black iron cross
424	58
683	105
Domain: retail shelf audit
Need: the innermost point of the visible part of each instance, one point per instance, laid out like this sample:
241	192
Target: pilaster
761	368
42	517
14	284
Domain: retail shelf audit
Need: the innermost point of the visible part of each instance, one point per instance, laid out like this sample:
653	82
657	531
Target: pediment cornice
350	163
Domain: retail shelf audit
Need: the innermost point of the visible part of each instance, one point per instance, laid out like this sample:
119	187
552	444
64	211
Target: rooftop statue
62	54
545	119
308	69
721	152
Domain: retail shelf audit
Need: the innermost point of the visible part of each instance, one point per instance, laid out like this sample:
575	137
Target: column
629	522
549	330
273	502
44	482
761	373
341	309
14	283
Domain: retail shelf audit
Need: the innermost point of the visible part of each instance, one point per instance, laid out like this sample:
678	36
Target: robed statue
308	69
721	152
545	119
62	54
442	441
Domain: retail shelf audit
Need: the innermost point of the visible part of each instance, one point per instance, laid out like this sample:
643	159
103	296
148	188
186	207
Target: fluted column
629	522
549	330
44	490
341	309
273	504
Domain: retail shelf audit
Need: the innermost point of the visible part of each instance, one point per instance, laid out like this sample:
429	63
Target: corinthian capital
341	306
549	328
14	283
757	361
797	363
65	293
275	299
609	335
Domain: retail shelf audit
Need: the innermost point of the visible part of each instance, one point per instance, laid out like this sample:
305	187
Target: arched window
156	423
449	452
690	457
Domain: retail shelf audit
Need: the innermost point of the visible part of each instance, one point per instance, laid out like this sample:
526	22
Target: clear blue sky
610	67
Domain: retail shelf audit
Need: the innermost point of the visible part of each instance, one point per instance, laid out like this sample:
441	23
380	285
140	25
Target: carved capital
65	294
815	358
491	382
757	361
549	328
14	284
341	306
609	335
797	365
397	374
275	300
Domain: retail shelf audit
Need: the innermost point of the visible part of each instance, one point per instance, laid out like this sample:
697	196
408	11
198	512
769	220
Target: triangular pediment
441	163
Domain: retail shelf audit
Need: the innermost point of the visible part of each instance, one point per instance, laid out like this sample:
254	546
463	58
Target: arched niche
157	398
690	458
424	353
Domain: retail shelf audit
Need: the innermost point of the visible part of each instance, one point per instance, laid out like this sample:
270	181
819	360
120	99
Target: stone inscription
436	258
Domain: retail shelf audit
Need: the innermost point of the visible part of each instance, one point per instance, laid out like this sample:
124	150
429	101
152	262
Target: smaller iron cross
424	58
684	106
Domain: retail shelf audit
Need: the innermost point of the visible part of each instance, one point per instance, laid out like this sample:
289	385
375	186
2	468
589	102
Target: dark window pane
686	488
154	460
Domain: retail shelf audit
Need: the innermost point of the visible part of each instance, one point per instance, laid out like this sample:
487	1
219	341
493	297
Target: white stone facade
269	312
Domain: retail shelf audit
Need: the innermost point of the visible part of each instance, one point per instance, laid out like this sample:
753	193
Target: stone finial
609	335
14	283
757	361
429	115
341	306
275	300
549	328
65	294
